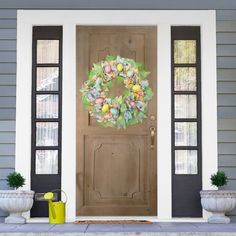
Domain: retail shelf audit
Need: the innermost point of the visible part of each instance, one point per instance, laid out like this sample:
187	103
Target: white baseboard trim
149	218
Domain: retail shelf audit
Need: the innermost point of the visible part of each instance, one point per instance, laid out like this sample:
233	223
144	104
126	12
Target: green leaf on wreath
123	108
85	102
143	74
110	58
148	94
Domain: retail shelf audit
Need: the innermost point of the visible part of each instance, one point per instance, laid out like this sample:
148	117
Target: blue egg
130	73
144	83
114	111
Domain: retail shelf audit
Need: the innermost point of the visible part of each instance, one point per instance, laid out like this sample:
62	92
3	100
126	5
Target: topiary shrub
219	179
15	180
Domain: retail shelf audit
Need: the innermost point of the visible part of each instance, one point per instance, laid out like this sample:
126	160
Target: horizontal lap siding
7	94
226	76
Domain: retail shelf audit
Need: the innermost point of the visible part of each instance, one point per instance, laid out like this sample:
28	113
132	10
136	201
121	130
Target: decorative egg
113	68
105	108
136	88
130	73
140	105
107	69
114	111
99	101
127	116
119	67
132	104
144	83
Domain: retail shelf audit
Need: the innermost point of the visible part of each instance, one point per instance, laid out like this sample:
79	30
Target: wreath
117	111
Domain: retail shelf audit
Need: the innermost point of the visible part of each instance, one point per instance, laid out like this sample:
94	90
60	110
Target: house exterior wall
226	72
226	93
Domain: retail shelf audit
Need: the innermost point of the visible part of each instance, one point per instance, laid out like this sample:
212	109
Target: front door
116	169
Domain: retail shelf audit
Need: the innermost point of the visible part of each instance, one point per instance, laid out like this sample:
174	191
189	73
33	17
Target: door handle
152	133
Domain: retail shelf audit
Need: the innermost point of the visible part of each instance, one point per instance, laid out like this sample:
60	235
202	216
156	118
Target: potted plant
218	202
16	201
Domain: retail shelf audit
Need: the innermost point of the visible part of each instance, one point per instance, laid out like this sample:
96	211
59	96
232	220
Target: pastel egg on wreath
113	68
132	104
130	73
92	94
127	116
114	111
136	88
105	108
99	101
144	83
140	105
107	69
119	67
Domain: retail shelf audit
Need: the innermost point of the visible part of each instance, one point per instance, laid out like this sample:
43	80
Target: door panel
116	169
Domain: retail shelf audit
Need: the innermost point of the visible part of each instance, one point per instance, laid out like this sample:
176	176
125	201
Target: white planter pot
218	202
16	202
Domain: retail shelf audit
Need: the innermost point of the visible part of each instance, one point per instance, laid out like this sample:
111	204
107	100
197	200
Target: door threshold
148	218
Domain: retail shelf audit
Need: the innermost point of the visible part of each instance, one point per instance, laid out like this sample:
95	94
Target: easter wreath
117	111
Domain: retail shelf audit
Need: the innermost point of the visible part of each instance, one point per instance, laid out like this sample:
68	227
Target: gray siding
122	4
7	94
226	72
226	81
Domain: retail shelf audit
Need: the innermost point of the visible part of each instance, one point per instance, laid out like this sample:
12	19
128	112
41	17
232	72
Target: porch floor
157	229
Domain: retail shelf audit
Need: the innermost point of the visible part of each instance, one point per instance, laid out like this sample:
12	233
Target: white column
164	121
68	177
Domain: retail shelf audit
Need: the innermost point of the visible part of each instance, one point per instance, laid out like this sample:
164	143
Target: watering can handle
60	190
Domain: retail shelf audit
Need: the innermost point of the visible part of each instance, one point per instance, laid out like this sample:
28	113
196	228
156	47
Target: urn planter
15	202
218	202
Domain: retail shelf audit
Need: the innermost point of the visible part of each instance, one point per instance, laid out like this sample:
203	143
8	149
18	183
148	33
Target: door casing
26	19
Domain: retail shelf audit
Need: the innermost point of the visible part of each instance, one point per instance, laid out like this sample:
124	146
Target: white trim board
26	19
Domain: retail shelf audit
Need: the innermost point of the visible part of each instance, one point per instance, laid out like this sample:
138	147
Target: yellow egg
105	108
136	88
119	67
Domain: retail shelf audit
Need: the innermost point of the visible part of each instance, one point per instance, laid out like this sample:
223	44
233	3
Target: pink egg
99	101
132	104
107	69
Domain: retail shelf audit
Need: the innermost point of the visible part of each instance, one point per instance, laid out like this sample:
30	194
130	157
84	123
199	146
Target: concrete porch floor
157	229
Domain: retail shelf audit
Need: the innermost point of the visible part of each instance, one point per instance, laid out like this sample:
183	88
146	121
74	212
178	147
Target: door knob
152	133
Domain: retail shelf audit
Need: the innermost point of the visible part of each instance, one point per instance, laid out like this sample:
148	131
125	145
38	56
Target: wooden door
116	169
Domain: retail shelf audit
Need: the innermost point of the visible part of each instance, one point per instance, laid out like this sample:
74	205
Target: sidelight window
186	100
46	96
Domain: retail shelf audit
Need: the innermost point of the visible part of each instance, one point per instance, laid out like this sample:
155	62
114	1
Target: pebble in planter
16	201
218	202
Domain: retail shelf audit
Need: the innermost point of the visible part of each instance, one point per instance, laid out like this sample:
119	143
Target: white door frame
26	19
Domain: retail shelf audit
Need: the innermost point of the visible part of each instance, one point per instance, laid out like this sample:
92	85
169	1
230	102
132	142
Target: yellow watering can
56	209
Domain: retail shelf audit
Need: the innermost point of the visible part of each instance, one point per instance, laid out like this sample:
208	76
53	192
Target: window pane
46	162
47	51
185	106
185	79
184	51
47	106
186	162
46	134
47	78
185	133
